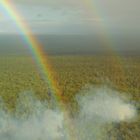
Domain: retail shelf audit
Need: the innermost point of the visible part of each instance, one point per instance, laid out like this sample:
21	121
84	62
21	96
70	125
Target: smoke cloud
106	105
98	107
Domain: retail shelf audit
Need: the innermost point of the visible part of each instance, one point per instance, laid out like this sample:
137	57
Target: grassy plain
19	74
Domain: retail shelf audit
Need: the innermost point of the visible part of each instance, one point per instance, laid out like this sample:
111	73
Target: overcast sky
75	16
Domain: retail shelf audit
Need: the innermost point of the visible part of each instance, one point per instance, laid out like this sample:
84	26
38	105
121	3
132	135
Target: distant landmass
70	44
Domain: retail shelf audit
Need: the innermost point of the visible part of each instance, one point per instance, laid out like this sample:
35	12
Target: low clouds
117	14
49	16
49	10
57	3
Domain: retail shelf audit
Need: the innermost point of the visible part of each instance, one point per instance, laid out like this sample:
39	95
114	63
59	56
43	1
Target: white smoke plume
98	107
106	105
37	121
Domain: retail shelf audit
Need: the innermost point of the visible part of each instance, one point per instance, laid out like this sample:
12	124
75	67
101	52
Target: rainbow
92	7
93	10
35	47
42	62
38	54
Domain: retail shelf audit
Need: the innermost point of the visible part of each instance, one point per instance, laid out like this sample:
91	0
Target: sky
75	16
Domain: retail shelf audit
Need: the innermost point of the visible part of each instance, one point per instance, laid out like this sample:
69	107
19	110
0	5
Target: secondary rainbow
94	10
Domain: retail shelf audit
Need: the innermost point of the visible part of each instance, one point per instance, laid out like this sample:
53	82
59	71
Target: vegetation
19	74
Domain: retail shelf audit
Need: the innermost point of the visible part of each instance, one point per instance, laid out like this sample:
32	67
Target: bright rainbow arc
42	62
36	49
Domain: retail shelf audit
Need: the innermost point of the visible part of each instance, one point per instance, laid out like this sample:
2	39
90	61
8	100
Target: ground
19	74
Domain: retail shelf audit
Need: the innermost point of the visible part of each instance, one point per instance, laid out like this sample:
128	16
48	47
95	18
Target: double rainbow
38	54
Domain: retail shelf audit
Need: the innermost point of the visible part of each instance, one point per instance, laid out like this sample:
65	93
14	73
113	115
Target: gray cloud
114	14
111	9
49	2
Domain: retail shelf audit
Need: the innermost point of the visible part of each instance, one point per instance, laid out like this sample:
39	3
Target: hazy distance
71	44
73	26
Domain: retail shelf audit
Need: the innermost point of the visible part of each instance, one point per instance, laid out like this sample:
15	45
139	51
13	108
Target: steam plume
98	107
